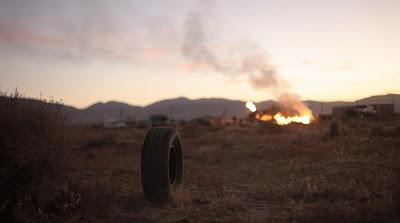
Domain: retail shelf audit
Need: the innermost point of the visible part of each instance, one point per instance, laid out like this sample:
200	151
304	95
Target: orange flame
264	117
305	116
282	120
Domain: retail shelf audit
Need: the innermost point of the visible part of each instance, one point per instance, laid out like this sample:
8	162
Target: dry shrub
32	151
270	128
385	131
334	129
101	142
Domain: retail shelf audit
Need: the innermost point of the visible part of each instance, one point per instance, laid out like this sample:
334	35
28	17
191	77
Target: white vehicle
112	123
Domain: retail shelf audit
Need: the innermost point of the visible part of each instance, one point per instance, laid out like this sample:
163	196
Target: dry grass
255	173
33	171
252	174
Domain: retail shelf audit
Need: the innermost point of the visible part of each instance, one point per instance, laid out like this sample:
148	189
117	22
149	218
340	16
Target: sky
81	52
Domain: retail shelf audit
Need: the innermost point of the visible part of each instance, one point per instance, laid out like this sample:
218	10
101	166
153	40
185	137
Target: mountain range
184	109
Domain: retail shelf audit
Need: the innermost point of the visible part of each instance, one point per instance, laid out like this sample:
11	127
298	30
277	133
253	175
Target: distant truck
368	110
113	123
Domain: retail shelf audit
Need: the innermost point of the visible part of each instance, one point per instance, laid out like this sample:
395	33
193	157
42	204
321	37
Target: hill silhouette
184	109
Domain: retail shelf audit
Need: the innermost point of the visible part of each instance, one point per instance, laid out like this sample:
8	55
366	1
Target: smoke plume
253	62
250	62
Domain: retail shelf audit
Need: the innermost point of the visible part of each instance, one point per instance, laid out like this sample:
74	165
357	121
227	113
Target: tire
161	165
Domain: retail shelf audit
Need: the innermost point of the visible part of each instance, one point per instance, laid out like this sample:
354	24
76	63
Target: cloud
116	46
84	30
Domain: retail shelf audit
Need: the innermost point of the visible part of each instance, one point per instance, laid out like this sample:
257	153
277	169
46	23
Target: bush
32	150
334	129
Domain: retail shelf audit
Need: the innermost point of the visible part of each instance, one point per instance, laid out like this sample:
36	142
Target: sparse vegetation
334	129
33	171
248	173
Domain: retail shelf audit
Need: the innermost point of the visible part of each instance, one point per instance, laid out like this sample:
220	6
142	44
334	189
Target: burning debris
251	106
250	62
283	120
281	115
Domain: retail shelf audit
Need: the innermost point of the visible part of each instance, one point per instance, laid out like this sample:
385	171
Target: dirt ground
251	173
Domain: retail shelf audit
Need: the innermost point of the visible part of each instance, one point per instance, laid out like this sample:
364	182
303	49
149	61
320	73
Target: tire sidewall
155	164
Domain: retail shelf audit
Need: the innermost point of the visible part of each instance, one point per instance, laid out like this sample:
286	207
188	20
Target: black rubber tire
162	164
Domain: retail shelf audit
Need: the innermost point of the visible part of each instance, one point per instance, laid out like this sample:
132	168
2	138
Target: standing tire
162	164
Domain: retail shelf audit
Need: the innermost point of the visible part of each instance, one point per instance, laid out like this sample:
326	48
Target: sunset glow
81	53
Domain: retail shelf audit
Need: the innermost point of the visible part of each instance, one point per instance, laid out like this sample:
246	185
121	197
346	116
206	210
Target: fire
264	117
282	120
304	117
251	106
